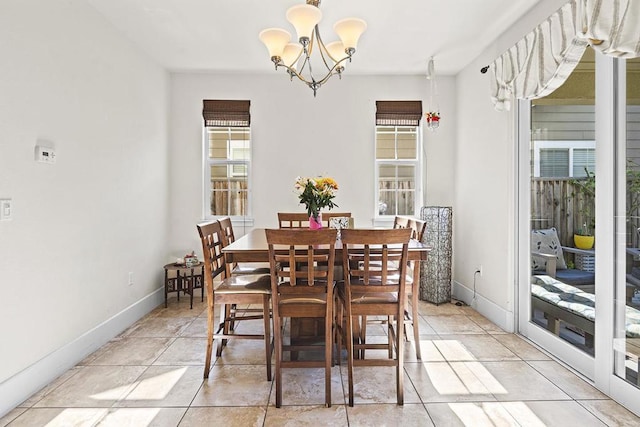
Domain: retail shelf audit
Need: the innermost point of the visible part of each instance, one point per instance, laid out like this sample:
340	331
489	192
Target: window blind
554	163
226	113
398	113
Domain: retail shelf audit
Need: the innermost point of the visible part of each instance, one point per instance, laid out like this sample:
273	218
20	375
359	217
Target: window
563	159
398	162
227	158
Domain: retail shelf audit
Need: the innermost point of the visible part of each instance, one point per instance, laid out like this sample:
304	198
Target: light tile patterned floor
471	374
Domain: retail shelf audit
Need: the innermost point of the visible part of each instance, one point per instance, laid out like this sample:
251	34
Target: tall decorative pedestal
435	272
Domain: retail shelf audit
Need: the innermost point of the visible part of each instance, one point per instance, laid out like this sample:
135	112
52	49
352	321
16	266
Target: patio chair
547	257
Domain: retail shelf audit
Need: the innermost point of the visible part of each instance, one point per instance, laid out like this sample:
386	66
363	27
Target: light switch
5	209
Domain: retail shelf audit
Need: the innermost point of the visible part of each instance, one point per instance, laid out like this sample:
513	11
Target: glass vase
315	223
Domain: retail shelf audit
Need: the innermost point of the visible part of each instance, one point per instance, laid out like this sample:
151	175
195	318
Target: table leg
191	287
166	286
415	289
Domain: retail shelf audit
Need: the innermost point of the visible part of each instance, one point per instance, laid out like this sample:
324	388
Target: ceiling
222	35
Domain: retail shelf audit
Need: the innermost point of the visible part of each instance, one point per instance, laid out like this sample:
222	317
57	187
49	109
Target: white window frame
207	163
418	163
560	145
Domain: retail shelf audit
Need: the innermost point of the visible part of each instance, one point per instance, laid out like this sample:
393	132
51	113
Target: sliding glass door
626	295
579	175
558	173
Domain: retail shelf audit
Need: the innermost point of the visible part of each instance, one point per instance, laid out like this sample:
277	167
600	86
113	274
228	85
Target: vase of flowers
316	193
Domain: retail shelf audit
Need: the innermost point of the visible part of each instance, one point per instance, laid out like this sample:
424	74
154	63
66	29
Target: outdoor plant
633	189
585	191
316	193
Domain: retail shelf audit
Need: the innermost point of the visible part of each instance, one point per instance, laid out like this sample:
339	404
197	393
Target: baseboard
25	383
498	315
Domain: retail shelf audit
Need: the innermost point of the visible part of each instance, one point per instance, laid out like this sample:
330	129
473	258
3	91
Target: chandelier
296	58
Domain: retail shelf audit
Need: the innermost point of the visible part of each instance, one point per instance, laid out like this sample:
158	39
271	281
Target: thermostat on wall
45	154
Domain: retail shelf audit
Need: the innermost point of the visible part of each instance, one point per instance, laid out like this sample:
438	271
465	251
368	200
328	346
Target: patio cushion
575	277
546	242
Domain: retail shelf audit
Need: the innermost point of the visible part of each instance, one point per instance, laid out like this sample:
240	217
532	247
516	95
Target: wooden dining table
253	247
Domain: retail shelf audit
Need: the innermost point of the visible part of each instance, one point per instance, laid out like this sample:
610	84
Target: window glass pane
219	171
407	174
218	145
239	134
627	286
562	124
387	203
407	146
406	202
385	146
583	158
237	171
554	162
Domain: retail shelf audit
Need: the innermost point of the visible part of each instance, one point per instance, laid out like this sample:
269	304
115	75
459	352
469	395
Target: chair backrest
417	226
301	219
299	260
212	238
227	229
293	220
326	217
375	261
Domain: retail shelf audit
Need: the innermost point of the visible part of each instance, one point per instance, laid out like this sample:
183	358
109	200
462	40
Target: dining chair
301	219
301	287
239	268
375	265
417	228
231	292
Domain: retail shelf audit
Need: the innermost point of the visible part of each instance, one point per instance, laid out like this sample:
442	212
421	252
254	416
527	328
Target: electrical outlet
479	270
5	210
130	278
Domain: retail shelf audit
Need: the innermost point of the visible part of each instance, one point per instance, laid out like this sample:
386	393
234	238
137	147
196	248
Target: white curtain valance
543	60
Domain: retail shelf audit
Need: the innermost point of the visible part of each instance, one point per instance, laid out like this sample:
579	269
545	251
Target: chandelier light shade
276	40
304	18
349	30
296	57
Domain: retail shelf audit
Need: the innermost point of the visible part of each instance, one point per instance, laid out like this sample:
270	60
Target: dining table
253	247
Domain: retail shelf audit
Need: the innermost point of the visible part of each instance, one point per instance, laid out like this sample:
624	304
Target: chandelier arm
323	49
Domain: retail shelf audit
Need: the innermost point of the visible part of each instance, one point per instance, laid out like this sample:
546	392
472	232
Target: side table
179	277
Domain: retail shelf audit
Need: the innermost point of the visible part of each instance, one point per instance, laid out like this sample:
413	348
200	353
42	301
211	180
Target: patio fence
555	203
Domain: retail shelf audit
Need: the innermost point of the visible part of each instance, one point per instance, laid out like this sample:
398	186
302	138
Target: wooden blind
398	113
226	113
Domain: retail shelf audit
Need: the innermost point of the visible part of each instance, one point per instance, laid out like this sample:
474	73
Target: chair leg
267	334
349	342
277	338
415	320
328	353
390	342
210	326
224	327
400	354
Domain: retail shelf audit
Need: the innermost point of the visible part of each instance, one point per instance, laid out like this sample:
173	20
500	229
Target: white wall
80	225
294	134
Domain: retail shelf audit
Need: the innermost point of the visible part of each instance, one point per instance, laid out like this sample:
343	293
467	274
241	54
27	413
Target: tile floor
472	374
